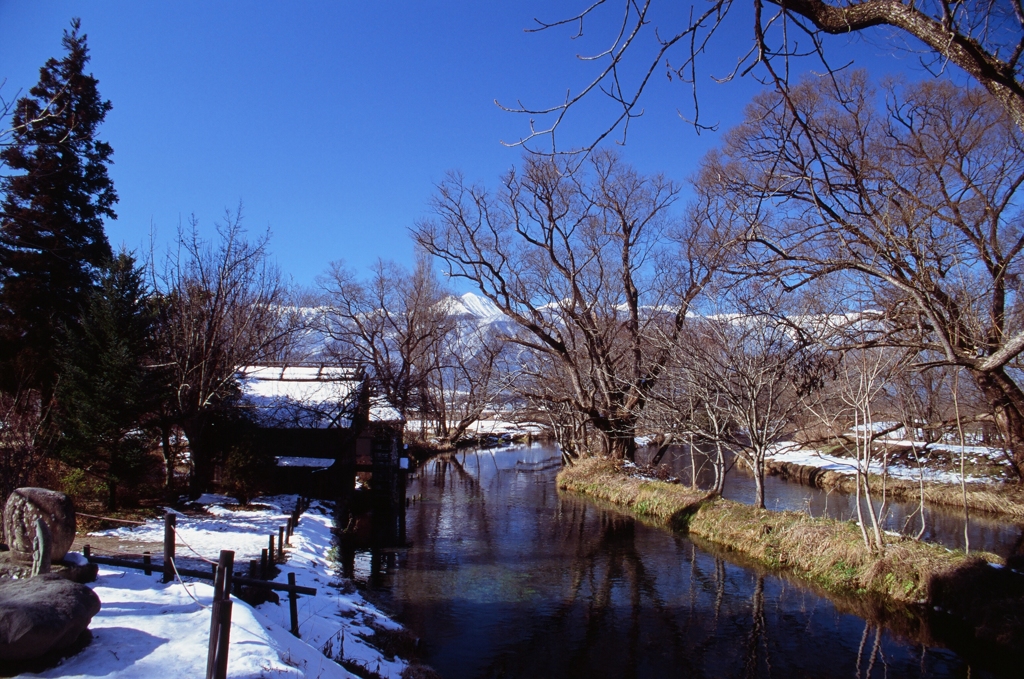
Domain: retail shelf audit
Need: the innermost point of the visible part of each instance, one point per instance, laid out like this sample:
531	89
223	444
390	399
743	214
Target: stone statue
41	549
27	505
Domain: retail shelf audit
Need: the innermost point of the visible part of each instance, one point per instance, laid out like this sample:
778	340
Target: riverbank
826	552
996	498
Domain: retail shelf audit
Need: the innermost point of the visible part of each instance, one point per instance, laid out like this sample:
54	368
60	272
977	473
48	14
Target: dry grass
828	552
601	478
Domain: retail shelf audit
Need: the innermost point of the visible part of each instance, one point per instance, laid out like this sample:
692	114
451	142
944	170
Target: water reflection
506	578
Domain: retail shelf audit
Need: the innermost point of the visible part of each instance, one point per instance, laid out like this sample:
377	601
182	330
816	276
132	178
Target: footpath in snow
149	629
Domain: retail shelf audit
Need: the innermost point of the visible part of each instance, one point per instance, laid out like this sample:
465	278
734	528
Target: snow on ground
494	426
499	426
146	628
304	462
330	619
796	454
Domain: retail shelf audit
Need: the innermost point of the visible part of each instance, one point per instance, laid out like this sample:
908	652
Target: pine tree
52	242
106	388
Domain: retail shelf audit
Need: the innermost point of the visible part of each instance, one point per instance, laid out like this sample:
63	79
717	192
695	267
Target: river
505	577
944	525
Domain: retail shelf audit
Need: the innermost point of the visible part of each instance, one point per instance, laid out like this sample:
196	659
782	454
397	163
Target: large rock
24	506
43	614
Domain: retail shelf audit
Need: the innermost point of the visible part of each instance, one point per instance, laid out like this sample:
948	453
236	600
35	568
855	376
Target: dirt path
106	545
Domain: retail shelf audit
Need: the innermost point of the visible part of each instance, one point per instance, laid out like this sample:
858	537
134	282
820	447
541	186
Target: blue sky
332	121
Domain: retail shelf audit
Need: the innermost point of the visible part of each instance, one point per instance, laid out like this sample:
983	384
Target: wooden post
225	639
220	618
263	565
293	606
211	653
86	552
270	551
170	521
254	568
226	569
147	563
288	533
280	543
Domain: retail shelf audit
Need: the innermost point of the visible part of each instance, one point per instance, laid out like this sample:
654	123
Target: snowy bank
146	628
149	629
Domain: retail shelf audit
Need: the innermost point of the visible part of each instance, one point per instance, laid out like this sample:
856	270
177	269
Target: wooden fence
224	580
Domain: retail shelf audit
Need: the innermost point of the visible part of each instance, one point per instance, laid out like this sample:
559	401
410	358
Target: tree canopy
55	200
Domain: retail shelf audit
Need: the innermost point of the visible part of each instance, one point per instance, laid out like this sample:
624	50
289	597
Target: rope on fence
108	518
120	555
177	536
184	586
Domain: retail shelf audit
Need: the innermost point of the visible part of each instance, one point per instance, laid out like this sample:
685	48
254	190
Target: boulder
24	506
43	614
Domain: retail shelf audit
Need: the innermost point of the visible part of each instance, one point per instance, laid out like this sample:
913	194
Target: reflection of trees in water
876	651
558	587
758	636
457	500
611	618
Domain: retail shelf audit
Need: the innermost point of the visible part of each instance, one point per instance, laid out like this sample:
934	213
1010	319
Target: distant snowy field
149	629
796	454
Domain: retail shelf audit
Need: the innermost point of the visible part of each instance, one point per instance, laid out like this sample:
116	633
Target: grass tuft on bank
828	552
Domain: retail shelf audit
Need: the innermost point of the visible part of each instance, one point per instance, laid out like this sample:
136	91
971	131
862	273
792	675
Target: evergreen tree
52	243
106	388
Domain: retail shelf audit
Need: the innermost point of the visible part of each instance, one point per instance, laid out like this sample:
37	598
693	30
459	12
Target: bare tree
750	370
394	323
581	264
689	406
860	384
915	199
470	373
637	41
222	305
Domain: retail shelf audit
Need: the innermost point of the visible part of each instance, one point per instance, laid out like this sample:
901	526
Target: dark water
942	525
506	578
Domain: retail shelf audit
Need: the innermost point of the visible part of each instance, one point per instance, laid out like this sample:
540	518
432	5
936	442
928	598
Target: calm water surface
506	578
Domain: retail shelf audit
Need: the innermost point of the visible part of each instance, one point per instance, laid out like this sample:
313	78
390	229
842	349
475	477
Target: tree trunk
169	456
620	446
111	494
202	459
719	469
1007	402
759	485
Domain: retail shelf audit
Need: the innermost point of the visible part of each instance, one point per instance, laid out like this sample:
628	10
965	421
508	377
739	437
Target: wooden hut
323	424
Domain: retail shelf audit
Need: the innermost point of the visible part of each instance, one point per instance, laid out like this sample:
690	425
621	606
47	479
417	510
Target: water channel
505	577
944	525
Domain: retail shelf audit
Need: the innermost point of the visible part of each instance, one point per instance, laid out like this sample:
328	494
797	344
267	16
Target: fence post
280	543
293	607
86	552
220	618
147	562
224	641
170	521
264	569
270	551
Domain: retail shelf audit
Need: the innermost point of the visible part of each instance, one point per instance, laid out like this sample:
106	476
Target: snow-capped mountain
471	304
